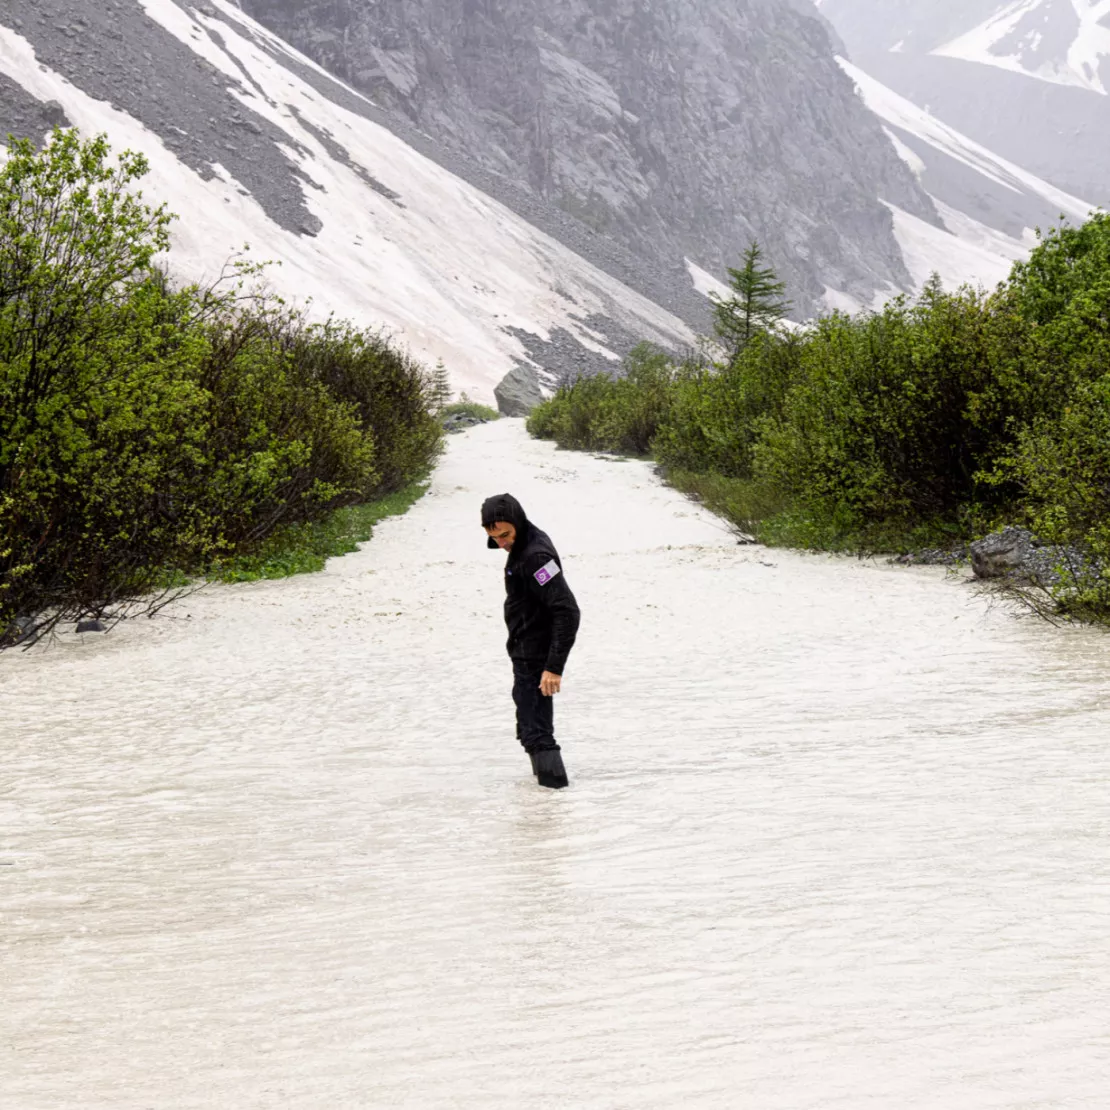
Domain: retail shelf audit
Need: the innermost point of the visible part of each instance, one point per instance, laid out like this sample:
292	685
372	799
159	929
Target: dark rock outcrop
461	421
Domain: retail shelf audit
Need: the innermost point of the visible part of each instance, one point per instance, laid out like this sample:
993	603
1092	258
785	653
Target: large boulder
518	392
1002	554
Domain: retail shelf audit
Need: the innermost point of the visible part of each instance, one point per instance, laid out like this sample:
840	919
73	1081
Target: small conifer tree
756	304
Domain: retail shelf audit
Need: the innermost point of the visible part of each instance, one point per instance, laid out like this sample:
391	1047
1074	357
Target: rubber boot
532	757
550	770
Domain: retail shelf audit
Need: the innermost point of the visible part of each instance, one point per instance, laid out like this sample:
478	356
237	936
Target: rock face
252	143
518	393
681	128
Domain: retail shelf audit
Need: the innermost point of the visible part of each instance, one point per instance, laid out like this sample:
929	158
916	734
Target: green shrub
97	404
306	547
1063	464
396	400
711	424
148	432
603	412
882	428
751	507
281	448
922	425
465	407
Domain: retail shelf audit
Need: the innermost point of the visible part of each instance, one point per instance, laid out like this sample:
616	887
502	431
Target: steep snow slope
989	206
1066	42
384	234
1026	78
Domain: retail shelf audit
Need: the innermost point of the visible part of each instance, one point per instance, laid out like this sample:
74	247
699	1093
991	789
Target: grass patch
471	408
305	548
747	505
759	512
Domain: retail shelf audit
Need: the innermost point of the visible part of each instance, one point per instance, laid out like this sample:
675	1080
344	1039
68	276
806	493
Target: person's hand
550	684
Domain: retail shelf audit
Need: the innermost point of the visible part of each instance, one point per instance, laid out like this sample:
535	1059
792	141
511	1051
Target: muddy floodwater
838	834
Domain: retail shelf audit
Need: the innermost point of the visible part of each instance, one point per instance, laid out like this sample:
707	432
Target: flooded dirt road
837	836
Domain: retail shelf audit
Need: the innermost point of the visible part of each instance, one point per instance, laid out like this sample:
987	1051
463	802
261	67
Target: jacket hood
504	506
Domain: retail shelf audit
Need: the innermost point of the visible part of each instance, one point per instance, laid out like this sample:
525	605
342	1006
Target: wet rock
518	392
460	421
91	626
54	114
1002	554
934	557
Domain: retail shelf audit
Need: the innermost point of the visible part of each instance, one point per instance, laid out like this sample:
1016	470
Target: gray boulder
1003	553
518	392
460	421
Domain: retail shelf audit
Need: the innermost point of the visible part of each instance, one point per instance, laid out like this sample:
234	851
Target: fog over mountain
1028	79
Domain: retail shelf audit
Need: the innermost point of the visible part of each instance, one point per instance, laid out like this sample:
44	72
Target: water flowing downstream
837	835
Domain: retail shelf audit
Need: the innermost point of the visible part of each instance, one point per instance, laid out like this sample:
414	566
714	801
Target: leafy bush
602	412
396	400
147	431
894	416
466	407
712	421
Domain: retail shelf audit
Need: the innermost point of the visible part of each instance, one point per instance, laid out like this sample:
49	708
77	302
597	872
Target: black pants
535	714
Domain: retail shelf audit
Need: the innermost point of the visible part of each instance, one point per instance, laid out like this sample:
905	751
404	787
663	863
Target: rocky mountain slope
679	128
1027	78
249	142
989	206
540	191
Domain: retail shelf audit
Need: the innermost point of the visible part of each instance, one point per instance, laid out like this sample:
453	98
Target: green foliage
147	432
466	407
885	424
305	548
923	425
753	508
1063	465
395	399
602	412
756	305
712	421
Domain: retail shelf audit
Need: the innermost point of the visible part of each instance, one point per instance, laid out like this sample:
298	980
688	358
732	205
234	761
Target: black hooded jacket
540	610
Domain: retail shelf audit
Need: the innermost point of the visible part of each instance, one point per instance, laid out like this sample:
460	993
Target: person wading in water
543	617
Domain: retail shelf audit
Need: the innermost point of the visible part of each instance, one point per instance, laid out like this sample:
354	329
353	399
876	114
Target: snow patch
928	250
899	112
911	158
705	283
998	41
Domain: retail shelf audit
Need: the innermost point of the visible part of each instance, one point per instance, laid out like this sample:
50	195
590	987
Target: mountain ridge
1026	78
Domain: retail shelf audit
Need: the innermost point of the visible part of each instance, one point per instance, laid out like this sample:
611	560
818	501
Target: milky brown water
838	833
